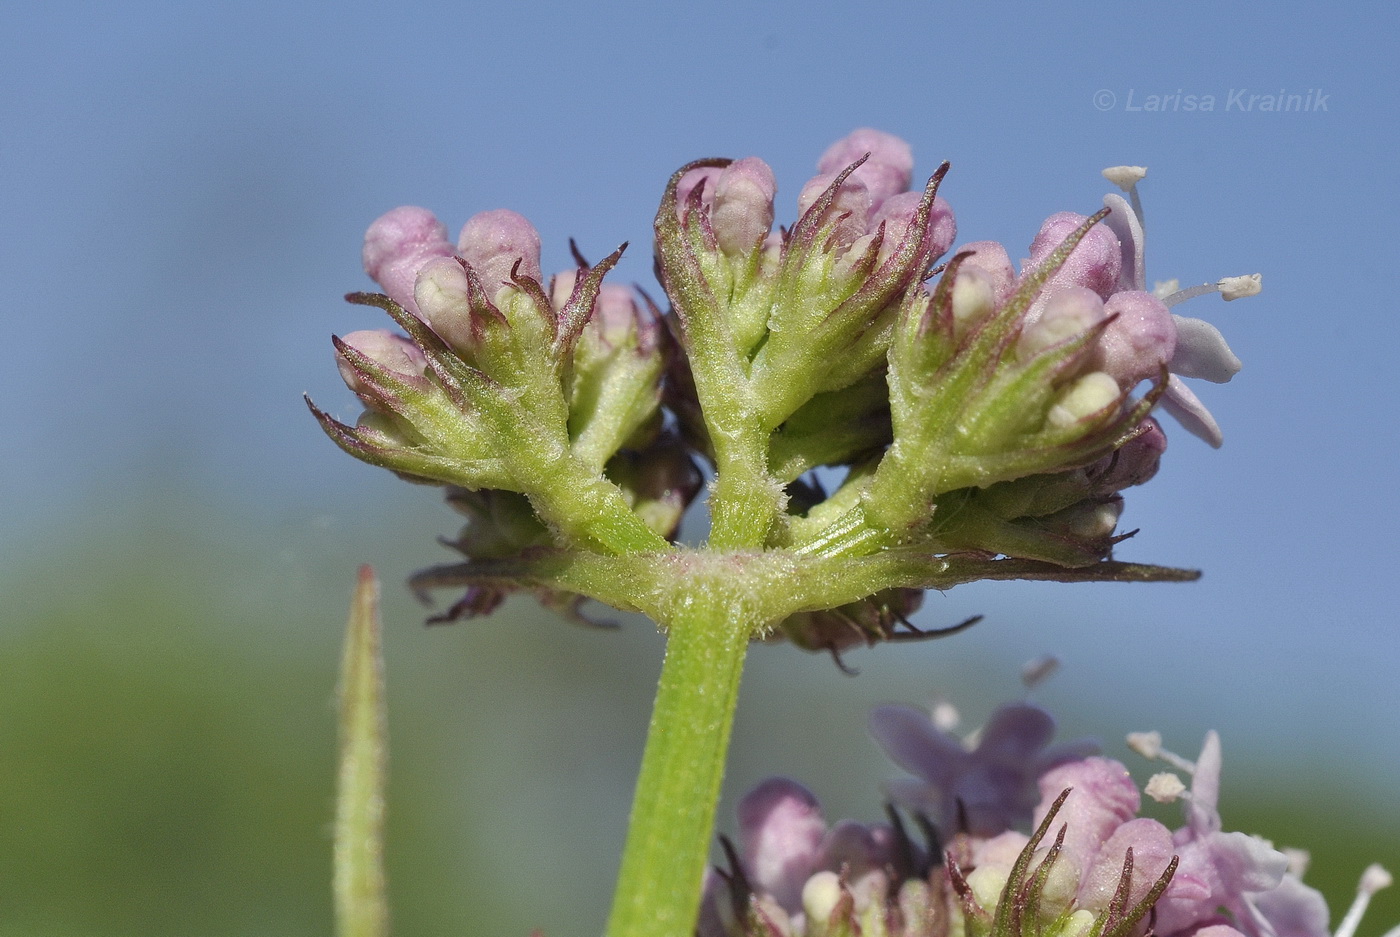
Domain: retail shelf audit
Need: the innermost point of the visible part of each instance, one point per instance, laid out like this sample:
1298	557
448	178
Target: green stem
673	813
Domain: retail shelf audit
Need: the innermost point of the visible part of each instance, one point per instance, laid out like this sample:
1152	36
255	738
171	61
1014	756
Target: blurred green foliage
167	746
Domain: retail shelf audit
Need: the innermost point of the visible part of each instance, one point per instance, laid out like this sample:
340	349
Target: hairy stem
673	813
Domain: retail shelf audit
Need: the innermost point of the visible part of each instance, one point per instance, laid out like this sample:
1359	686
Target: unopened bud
1095	261
388	350
1140	340
494	241
1067	312
991	258
398	244
743	205
820	896
898	213
1087	396
442	297
851	200
886	172
1135	462
974	297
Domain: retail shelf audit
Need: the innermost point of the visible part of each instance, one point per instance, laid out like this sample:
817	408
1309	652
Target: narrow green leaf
361	908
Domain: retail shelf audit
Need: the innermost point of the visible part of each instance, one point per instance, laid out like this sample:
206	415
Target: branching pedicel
985	421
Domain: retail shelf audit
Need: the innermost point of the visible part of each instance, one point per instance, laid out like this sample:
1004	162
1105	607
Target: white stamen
1165	788
1164	288
1298	860
1146	744
945	716
1372	880
1191	292
1127	178
1149	746
1228	287
1240	287
1036	672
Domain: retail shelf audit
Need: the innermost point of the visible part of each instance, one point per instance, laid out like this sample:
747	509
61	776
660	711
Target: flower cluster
986	413
1019	837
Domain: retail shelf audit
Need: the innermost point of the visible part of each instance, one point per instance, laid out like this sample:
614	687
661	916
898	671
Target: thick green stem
673	813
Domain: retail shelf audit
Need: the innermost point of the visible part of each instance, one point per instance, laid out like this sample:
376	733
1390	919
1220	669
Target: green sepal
832	428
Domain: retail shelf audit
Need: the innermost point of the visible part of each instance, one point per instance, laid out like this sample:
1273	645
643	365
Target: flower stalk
673	813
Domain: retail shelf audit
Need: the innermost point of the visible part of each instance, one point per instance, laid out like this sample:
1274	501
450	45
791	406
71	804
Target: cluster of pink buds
974	409
1016	836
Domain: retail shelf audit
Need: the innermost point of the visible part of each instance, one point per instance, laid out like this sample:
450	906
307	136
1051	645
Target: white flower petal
1201	351
1190	412
1123	222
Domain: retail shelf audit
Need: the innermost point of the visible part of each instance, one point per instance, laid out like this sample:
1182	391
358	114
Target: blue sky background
183	192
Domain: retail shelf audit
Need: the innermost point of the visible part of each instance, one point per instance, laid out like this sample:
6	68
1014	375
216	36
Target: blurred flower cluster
1012	835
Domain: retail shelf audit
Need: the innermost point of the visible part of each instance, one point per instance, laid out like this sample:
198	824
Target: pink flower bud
704	178
852	200
1139	341
888	170
1066	313
898	211
615	314
386	349
1103	798
493	241
781	829
442	296
1133	464
743	205
398	244
1095	262
991	257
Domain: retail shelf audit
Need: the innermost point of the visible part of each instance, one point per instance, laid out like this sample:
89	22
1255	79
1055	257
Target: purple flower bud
743	205
388	350
1095	262
398	244
1134	463
898	211
704	178
1139	341
991	258
852	200
441	294
862	853
493	241
1067	312
781	830
888	170
1152	847
1103	798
